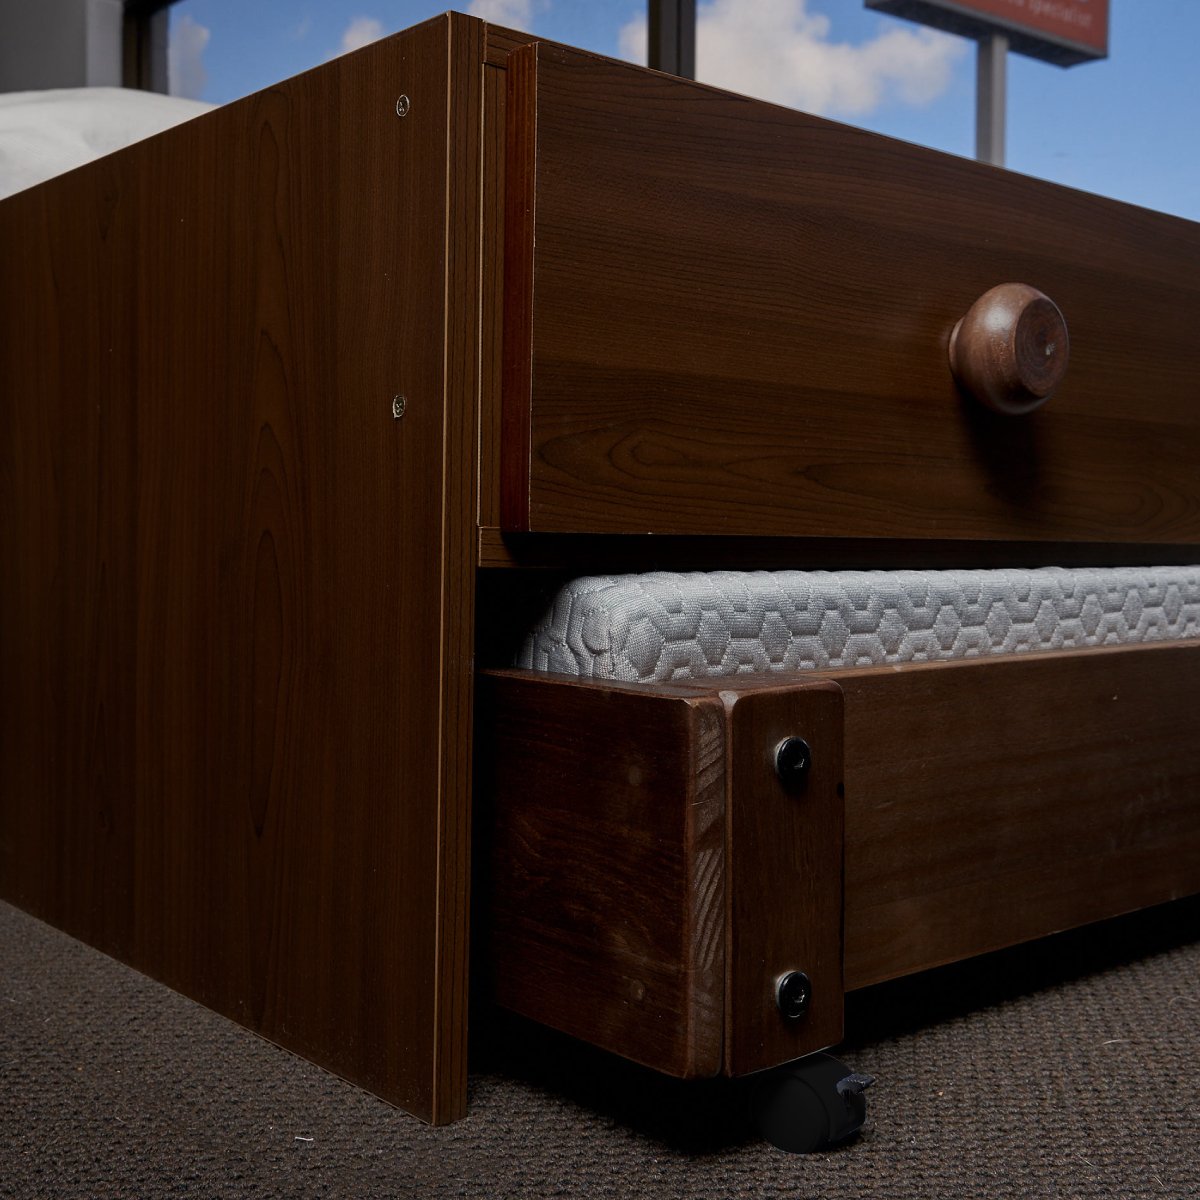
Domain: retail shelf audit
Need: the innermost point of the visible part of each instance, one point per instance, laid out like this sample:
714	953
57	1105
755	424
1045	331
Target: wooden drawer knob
1011	349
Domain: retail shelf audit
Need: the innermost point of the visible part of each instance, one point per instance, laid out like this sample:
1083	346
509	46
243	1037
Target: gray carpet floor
1065	1069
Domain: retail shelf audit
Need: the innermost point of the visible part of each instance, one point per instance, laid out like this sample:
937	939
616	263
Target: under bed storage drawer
723	317
651	877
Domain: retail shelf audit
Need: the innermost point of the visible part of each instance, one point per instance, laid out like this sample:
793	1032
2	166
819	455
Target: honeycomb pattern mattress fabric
666	625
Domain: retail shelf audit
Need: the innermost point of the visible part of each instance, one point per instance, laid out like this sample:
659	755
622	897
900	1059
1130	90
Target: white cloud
516	14
361	31
778	50
186	74
632	41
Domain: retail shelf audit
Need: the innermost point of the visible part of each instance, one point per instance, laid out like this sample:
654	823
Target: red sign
1064	31
1082	21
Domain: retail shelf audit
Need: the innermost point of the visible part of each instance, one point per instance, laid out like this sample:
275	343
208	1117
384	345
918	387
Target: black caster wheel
811	1105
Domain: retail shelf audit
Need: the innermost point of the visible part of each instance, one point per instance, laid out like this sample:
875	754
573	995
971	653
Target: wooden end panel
459	473
991	802
520	206
236	595
784	874
601	813
741	324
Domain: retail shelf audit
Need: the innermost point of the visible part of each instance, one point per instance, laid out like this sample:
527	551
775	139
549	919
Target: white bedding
45	133
666	625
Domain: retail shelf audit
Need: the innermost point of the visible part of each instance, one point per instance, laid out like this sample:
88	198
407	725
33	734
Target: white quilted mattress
666	625
46	133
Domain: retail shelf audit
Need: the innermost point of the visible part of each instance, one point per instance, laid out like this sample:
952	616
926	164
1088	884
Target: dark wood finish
501	42
987	802
492	291
602	810
650	877
237	603
236	625
993	801
520	223
1011	349
784	871
462	335
739	318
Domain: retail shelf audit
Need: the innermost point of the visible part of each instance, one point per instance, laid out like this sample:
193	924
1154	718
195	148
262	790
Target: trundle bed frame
313	403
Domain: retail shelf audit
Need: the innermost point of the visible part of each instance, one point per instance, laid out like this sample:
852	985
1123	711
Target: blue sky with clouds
1126	127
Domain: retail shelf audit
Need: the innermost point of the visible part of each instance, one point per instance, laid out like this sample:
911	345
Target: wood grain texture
491	381
602	813
460	505
520	226
501	42
1011	349
740	315
987	802
990	802
784	873
236	610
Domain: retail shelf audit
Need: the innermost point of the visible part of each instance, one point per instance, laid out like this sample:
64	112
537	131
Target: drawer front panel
724	317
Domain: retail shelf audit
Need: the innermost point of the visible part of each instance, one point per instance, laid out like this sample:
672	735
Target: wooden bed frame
309	404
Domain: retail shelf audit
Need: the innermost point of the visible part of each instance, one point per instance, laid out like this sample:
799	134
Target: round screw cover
793	994
793	762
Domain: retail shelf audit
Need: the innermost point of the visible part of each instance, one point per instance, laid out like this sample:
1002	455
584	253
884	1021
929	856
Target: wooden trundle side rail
987	802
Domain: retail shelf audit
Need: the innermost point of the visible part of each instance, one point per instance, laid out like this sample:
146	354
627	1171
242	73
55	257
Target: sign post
991	91
1063	32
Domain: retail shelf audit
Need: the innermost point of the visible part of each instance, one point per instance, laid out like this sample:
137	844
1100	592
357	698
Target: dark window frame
144	45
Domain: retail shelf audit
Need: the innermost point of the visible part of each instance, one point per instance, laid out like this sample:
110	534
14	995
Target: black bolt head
793	763
793	994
